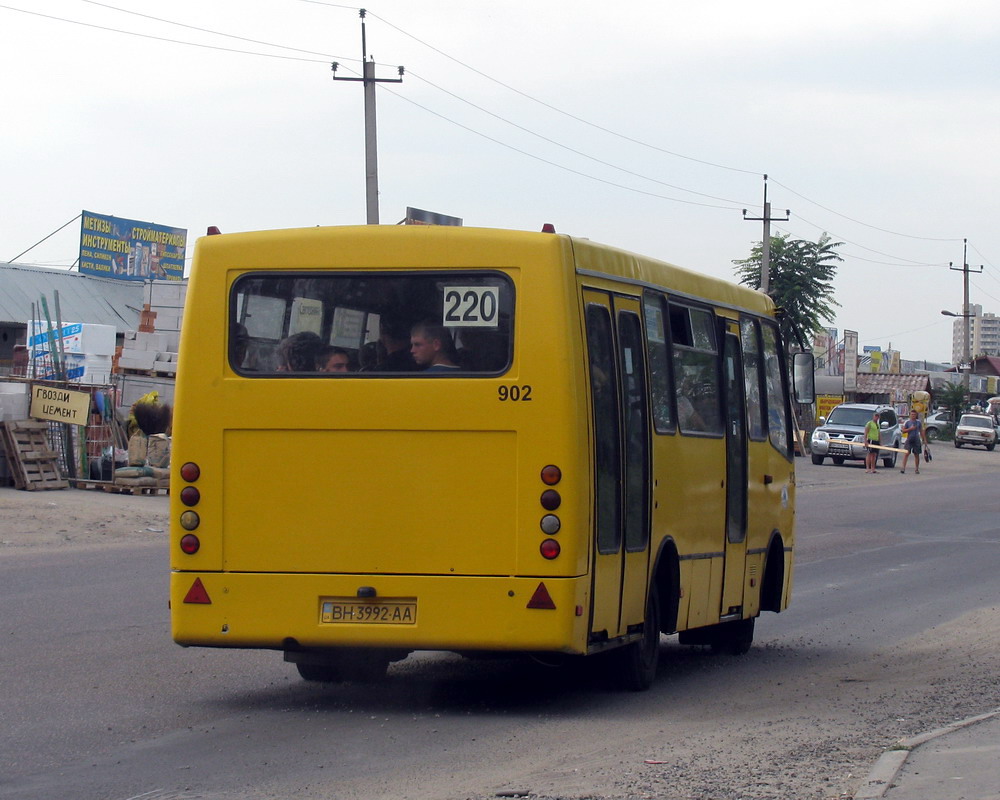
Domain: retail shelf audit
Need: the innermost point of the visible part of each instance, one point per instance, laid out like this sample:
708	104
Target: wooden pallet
117	488
33	464
79	483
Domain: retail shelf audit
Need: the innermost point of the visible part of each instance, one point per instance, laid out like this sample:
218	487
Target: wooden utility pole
371	145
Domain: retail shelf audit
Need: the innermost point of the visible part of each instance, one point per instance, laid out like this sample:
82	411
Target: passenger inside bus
334	359
433	348
239	341
298	352
394	337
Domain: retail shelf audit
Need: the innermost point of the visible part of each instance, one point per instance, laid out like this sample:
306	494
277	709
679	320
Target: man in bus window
334	359
432	347
394	337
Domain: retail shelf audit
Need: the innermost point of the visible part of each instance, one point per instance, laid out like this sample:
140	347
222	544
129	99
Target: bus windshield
429	324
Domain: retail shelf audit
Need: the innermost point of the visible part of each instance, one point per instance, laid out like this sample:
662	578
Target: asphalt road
99	704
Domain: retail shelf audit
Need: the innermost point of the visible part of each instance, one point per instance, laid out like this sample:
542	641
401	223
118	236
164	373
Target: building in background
984	334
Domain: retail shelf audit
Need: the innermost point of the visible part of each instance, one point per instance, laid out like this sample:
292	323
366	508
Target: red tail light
551	475
549	549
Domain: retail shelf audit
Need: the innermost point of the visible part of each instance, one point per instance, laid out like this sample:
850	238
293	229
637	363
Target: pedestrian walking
916	438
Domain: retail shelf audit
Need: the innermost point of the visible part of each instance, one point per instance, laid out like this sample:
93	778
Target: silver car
937	422
842	435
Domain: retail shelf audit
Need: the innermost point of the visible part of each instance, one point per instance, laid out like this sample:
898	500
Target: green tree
801	277
953	397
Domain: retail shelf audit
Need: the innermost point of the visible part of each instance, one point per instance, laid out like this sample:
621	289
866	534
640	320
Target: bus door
736	472
616	357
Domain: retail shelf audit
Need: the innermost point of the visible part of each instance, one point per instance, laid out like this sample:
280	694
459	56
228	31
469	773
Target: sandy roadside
79	517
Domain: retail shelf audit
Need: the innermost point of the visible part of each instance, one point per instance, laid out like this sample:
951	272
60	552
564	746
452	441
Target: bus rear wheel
733	638
358	666
638	661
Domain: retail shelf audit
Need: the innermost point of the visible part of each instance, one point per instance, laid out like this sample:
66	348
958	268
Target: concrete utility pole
371	147
965	315
765	253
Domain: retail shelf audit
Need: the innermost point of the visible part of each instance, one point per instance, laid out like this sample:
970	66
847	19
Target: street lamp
966	355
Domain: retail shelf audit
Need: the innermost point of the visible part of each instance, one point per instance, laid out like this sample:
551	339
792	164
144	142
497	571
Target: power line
552	107
865	224
213	32
552	163
636	141
162	38
567	147
483	110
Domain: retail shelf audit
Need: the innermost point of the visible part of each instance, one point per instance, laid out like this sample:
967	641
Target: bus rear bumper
282	611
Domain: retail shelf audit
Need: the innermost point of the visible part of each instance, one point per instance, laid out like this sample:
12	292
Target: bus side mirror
803	379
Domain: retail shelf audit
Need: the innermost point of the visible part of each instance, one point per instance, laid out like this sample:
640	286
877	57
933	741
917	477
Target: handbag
927	453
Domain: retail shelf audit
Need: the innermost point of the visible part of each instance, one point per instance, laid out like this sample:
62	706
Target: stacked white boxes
166	299
156	350
14	403
86	351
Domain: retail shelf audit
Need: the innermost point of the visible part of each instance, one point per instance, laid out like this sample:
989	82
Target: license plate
377	611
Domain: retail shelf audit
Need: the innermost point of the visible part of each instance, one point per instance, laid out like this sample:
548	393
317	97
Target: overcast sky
646	125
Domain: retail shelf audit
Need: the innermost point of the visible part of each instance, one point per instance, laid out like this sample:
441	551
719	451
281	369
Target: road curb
890	763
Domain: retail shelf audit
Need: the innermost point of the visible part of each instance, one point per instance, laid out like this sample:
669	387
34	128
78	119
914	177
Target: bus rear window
428	324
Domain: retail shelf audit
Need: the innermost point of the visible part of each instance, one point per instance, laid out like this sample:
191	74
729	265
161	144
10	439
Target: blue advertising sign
130	250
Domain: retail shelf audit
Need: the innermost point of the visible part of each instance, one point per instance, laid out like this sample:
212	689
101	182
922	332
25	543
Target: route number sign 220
471	307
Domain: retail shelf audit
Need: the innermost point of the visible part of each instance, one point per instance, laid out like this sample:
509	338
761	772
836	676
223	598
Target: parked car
936	422
842	435
976	429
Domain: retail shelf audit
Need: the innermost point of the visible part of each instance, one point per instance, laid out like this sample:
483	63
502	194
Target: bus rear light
190	472
190	496
550	500
550	524
551	475
190	520
541	598
549	549
190	544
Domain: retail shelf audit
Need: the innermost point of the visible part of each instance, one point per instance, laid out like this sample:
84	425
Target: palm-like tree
801	282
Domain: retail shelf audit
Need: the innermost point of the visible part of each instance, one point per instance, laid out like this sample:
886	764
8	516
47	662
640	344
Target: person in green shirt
871	441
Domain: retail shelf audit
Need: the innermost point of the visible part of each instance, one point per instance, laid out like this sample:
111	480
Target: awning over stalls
898	387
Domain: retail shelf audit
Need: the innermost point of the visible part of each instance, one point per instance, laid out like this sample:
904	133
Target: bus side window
777	396
696	369
658	355
752	378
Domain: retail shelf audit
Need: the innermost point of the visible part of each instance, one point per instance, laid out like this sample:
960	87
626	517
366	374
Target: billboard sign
417	216
111	247
850	361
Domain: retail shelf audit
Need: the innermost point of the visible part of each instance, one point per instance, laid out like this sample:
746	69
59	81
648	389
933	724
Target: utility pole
371	146
765	253
964	269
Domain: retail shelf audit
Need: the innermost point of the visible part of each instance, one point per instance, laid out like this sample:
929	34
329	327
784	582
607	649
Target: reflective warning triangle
541	598
197	593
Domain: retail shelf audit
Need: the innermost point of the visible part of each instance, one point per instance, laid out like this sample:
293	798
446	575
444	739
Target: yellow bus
390	439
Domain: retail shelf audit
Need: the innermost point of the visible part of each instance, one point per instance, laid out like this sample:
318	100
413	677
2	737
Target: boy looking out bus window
432	347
